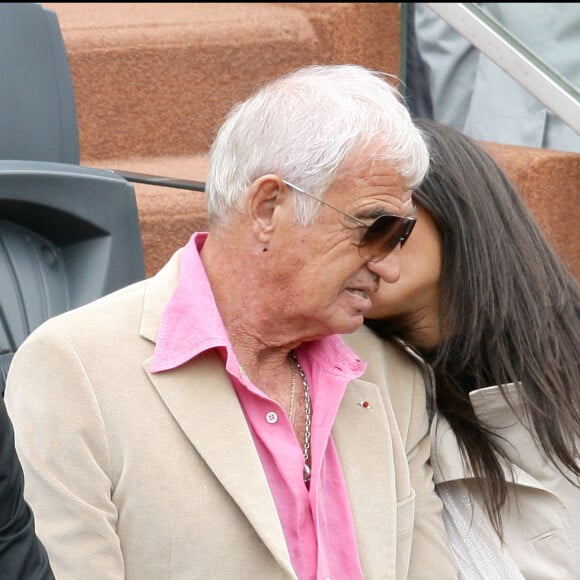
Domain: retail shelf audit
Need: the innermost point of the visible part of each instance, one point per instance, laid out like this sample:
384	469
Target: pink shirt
317	523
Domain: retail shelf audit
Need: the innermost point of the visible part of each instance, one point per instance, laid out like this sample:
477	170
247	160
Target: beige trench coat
542	518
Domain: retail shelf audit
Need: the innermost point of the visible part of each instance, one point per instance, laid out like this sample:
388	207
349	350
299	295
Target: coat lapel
364	441
223	439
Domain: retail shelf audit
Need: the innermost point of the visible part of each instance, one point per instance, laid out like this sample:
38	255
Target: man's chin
354	323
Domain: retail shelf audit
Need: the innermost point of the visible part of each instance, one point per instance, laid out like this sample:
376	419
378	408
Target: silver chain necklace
308	418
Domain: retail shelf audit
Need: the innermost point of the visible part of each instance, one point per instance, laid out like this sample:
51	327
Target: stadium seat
68	235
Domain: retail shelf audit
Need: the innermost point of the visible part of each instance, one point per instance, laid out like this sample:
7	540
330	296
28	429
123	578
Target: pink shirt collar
191	324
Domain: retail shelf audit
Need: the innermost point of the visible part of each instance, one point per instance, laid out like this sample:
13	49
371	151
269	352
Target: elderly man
210	422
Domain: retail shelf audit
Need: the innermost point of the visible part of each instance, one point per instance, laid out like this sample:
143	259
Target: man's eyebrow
370	213
376	212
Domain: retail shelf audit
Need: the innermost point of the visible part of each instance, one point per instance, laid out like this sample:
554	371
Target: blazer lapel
223	439
363	438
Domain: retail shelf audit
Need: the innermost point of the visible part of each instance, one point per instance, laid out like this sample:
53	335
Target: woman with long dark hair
487	303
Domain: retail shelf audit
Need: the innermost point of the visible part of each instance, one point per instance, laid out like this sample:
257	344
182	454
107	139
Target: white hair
303	126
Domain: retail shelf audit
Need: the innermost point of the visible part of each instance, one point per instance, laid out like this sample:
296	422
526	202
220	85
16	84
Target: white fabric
474	543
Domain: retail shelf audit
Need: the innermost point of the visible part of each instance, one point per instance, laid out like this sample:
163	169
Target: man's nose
389	268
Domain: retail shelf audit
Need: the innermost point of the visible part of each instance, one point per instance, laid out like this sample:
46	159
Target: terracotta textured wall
156	79
549	182
153	82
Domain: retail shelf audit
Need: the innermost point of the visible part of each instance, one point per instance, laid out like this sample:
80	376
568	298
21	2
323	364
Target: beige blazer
143	476
542	517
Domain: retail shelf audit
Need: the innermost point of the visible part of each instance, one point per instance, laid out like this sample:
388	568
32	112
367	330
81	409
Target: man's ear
263	198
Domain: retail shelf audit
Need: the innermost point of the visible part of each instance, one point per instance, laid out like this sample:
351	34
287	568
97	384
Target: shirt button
272	417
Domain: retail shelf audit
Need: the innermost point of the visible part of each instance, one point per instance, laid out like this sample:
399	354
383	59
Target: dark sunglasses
381	237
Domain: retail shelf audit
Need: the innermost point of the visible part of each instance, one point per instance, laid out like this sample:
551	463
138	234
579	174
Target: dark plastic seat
68	235
37	101
38	116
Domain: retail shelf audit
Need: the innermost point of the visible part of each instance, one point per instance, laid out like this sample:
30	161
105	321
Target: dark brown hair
512	311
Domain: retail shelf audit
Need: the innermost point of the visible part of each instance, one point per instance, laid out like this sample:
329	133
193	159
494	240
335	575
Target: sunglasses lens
384	235
408	228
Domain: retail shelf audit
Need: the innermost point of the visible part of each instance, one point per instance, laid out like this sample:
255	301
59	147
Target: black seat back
38	116
68	235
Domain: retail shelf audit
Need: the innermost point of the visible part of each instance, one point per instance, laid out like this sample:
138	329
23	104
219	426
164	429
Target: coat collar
240	473
500	417
158	292
524	458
